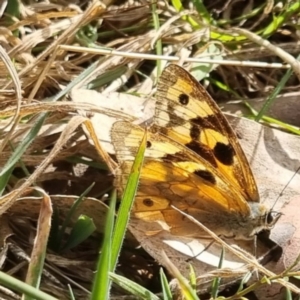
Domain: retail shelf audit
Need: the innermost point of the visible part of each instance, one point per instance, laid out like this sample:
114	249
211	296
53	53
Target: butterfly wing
173	175
187	114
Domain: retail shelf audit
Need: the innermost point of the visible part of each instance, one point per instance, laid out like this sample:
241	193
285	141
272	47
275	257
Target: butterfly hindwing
173	175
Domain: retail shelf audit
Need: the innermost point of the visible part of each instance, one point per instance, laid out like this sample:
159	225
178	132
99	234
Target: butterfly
194	162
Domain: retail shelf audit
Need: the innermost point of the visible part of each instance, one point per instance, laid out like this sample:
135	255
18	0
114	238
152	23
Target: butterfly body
193	162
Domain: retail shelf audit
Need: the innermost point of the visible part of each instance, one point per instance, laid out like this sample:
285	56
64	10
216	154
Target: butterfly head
271	218
262	218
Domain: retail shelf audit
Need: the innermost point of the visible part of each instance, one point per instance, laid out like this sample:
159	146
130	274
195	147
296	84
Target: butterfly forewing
173	176
188	115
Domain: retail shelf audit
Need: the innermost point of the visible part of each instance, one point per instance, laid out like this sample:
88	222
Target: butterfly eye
269	218
148	144
272	218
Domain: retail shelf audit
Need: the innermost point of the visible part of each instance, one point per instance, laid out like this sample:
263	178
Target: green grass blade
179	7
68	218
217	280
101	282
81	230
201	9
20	149
167	294
187	290
20	286
158	44
107	77
13	8
132	287
275	92
288	295
270	120
193	278
292	8
126	203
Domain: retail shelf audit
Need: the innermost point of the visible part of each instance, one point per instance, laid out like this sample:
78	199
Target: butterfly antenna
281	193
199	253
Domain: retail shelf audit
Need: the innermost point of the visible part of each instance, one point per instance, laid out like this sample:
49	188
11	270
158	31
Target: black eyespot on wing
148	202
224	153
183	99
206	175
149	144
203	151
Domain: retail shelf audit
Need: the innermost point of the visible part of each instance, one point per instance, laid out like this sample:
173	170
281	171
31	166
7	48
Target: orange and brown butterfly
193	162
